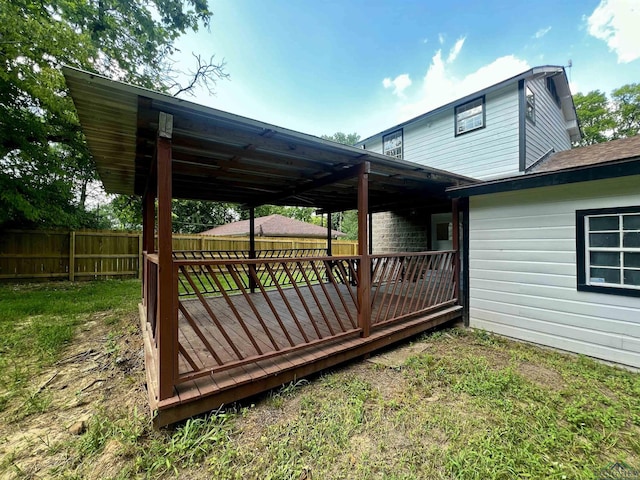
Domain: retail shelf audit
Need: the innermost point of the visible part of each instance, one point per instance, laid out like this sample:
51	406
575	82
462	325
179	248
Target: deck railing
407	284
230	311
298	302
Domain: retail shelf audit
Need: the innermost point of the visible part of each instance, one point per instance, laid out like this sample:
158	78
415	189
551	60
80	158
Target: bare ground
98	371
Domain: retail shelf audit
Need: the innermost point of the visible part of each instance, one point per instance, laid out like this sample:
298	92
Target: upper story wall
548	128
491	151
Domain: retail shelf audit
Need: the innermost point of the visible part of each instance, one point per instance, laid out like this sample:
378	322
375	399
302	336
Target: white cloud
542	32
453	54
441	38
399	84
616	22
440	86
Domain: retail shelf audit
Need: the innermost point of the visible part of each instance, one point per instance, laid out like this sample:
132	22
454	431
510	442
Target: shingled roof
590	155
273	226
617	158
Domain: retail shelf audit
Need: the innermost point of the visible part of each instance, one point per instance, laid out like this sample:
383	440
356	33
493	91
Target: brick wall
400	232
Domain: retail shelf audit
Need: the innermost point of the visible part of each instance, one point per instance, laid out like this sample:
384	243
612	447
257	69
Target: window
392	144
551	86
608	242
470	116
531	105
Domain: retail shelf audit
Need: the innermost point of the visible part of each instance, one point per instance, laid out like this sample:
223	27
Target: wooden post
167	334
455	216
72	256
370	233
252	247
140	257
364	272
329	239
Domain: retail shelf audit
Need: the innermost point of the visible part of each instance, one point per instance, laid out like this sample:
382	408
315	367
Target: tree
626	110
595	117
45	168
603	119
344	138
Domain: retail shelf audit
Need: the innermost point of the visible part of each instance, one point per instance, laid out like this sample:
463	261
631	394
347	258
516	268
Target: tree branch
206	74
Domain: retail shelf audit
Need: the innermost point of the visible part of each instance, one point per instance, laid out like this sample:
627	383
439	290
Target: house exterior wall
522	271
488	152
549	129
395	233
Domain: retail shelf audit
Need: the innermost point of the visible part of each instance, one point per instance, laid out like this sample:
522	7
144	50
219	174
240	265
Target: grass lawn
461	404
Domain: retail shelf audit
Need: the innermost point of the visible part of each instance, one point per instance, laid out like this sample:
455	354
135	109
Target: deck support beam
364	272
455	218
167	331
252	247
329	239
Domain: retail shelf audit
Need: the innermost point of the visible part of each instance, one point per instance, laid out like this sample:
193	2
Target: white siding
549	130
488	152
522	269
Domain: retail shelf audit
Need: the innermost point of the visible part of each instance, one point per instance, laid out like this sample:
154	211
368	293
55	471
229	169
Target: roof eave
601	171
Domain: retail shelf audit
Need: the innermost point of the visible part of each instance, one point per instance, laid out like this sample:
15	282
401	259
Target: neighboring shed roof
273	226
591	155
562	86
617	158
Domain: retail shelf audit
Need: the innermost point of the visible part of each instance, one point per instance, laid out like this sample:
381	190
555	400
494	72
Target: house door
442	231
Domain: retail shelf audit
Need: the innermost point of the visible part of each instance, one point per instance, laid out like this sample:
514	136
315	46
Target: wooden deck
258	341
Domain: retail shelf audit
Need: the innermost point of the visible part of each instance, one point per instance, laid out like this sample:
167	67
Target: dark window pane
632	277
604	240
605	259
631	222
631	239
632	260
604	275
597	224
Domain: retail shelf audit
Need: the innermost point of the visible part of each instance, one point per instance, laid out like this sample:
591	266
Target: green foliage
344	138
46	172
603	119
626	100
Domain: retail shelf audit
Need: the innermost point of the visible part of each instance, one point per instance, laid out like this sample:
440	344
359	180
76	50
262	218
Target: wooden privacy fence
93	254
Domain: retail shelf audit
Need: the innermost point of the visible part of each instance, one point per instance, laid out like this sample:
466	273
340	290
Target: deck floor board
210	391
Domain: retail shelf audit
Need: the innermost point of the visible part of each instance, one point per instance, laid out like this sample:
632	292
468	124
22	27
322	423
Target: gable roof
273	226
617	158
547	70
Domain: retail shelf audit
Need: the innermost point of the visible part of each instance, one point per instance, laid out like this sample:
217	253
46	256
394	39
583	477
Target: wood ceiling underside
255	167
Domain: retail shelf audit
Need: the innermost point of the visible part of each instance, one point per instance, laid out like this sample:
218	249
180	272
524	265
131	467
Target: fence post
72	256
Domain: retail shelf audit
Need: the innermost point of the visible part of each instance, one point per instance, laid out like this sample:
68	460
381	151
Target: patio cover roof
224	157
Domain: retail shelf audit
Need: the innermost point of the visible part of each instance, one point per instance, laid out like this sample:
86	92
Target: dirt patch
397	357
542	376
100	370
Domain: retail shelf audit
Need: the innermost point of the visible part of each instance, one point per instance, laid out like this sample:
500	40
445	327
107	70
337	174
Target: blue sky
362	66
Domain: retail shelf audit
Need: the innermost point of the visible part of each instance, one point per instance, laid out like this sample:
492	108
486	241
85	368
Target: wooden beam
252	247
329	239
455	214
167	330
337	176
364	272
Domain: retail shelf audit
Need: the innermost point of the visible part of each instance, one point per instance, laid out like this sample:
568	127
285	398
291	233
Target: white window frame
393	144
599	284
470	116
